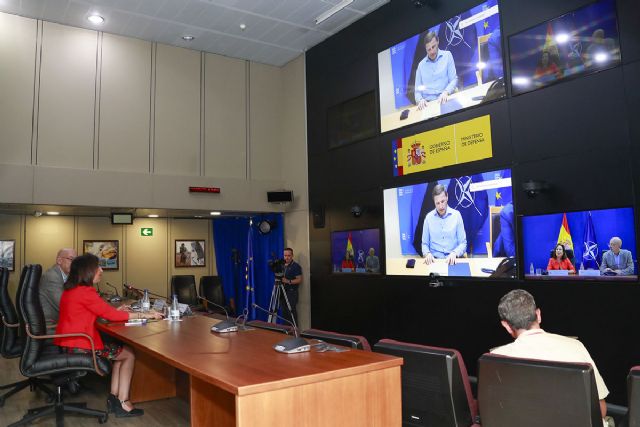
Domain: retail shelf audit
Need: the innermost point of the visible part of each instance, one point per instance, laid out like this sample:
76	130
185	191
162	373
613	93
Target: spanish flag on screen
349	245
564	237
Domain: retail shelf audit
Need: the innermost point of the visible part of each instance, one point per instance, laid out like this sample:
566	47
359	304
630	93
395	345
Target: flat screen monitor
352	120
461	56
356	251
578	43
585	237
476	223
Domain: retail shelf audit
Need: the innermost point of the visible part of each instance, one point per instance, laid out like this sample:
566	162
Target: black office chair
533	393
353	341
275	327
184	286
633	393
211	289
42	360
13	336
435	385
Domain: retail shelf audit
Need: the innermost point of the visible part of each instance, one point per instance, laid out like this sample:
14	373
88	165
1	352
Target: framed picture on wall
107	252
190	253
8	254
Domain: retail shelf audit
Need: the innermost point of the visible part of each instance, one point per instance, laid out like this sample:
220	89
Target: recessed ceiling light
216	213
243	27
188	38
53	213
95	19
153	216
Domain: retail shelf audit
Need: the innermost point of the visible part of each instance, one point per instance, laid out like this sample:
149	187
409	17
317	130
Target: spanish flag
564	237
349	245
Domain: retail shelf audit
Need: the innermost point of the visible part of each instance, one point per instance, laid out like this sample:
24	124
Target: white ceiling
277	31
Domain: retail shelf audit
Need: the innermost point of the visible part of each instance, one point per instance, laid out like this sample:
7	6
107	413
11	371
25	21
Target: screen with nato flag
474	221
584	244
356	251
577	43
450	66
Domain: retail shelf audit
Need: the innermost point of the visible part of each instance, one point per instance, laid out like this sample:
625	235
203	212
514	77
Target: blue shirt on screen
434	77
442	235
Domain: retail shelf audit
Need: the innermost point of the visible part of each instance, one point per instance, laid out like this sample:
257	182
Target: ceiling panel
277	31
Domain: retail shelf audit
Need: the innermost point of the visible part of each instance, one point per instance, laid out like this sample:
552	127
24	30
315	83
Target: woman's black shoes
114	405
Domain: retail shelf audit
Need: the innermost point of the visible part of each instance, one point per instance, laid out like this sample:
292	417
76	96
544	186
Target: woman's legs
115	377
122	375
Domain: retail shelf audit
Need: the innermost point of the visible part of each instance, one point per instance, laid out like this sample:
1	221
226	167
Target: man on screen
436	76
617	261
443	234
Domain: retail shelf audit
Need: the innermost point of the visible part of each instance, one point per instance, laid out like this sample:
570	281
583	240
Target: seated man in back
521	318
51	285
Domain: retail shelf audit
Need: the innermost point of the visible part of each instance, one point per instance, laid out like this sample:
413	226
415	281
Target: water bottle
532	270
146	303
174	313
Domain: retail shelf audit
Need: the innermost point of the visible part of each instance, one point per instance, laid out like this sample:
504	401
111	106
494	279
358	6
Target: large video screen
461	226
452	65
356	251
585	244
579	42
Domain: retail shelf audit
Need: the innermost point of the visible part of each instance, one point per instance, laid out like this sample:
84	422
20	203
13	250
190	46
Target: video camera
277	266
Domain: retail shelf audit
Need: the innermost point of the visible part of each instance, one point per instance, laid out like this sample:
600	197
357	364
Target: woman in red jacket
80	306
560	260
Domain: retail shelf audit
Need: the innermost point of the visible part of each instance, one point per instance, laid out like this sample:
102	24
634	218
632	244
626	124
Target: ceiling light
216	213
53	213
153	216
335	9
95	19
243	27
265	226
188	38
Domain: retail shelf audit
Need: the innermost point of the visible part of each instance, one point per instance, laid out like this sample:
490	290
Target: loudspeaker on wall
318	217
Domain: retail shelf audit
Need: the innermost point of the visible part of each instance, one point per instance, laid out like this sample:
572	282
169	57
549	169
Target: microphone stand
225	325
296	344
115	298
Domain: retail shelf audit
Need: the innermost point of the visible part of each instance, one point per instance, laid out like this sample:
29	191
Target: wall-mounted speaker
318	217
279	196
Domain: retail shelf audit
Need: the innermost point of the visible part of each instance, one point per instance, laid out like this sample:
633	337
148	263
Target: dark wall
581	136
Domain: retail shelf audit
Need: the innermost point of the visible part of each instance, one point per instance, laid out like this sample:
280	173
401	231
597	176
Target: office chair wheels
103	419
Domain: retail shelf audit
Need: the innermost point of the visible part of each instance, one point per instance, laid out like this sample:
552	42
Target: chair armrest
10	325
93	349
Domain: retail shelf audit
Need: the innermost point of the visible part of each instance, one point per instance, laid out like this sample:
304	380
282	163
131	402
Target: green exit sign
148	231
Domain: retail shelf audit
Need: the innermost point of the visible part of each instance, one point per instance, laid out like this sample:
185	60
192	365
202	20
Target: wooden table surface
242	362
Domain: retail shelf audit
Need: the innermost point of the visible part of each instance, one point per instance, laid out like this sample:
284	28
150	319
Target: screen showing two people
356	251
579	42
461	226
598	243
452	65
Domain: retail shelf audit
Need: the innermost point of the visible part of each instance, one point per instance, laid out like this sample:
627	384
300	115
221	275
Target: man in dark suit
617	260
51	284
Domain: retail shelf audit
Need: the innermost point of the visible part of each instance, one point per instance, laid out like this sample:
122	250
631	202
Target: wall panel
177	111
45	236
124	104
146	257
225	153
266	121
17	71
67	97
192	229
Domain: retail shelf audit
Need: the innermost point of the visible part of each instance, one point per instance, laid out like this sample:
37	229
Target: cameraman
291	279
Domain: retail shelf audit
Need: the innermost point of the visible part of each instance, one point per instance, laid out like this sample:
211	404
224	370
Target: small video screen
578	43
598	244
356	251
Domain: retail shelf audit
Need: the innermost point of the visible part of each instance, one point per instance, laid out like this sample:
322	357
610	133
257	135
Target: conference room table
238	379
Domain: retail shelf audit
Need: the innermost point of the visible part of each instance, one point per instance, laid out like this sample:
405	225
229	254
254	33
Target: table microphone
225	325
296	344
141	292
115	298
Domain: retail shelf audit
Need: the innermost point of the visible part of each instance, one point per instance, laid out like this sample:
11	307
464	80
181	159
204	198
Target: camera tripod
274	303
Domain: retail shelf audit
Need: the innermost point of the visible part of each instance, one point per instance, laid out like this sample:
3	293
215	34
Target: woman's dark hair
83	269
564	251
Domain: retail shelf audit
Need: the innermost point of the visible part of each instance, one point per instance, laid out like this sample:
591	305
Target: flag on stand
564	237
350	246
590	249
250	295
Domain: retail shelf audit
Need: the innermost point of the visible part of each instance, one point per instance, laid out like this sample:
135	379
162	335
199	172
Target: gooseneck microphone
296	344
224	326
141	291
116	297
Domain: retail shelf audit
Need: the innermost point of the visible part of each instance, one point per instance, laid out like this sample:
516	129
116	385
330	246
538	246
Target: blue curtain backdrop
230	234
